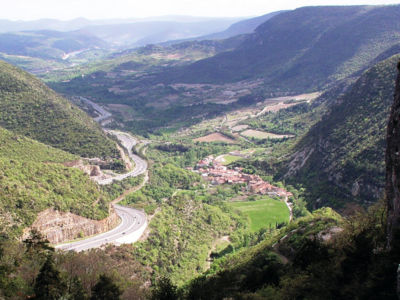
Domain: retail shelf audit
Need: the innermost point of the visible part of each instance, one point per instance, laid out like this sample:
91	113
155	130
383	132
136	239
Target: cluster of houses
216	173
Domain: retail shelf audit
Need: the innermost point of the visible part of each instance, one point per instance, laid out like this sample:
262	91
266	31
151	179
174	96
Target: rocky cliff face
93	170
60	227
393	164
342	158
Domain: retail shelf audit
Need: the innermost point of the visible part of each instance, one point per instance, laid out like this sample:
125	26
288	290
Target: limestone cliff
393	164
341	159
60	227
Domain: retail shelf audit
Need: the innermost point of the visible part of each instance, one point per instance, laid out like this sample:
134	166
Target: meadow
263	212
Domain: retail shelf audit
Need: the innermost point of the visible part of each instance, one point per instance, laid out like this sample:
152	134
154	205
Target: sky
119	9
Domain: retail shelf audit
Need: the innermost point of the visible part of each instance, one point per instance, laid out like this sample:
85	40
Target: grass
228	159
221	245
263	212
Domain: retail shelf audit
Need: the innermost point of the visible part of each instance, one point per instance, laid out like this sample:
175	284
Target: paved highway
128	142
103	114
133	223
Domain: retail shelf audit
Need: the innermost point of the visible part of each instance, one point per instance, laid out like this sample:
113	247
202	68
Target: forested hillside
261	161
344	152
318	257
30	108
33	178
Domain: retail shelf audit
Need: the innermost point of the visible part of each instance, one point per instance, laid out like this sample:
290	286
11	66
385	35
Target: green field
228	159
263	212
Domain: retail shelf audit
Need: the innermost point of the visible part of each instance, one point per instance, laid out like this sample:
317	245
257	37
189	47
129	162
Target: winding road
103	114
133	224
133	221
128	142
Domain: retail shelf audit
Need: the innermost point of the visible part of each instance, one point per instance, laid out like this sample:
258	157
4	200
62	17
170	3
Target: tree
3	272
49	285
105	289
393	166
165	290
36	242
76	290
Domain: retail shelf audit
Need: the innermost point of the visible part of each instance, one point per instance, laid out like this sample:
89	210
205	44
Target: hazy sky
108	9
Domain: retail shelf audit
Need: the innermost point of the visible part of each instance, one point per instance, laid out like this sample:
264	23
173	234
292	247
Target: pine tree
48	285
105	289
77	291
165	290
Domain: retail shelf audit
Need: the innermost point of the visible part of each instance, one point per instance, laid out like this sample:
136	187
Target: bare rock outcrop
60	227
93	170
88	169
393	165
298	160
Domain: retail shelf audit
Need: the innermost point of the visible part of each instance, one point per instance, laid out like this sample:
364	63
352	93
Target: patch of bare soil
264	135
215	137
240	127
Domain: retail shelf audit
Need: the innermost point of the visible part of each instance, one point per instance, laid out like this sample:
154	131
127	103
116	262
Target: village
213	171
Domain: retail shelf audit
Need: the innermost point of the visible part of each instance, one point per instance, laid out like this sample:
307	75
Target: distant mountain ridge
43	24
47	44
79	23
242	27
139	34
44	45
127	32
301	50
239	28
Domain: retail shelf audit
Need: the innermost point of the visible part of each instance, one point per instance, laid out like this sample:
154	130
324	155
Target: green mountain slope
304	49
343	154
318	257
33	178
28	107
323	256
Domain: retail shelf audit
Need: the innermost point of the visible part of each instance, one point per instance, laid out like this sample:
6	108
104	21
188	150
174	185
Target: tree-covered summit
29	107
